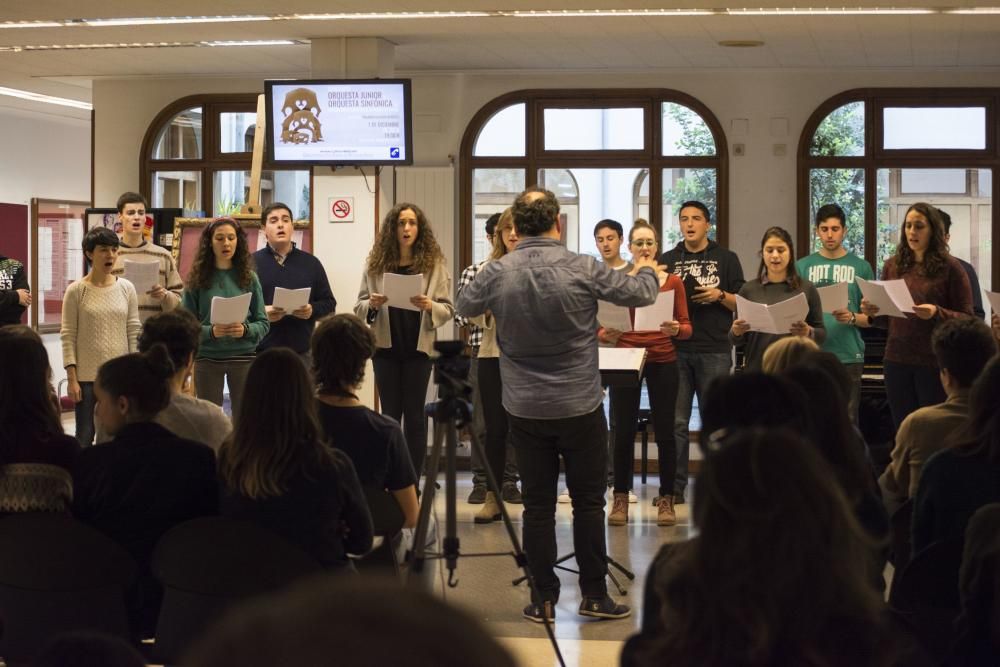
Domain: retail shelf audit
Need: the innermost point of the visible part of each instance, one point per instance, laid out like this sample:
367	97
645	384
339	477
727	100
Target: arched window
876	151
197	153
605	154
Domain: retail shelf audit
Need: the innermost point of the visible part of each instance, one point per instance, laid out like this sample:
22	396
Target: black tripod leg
621	568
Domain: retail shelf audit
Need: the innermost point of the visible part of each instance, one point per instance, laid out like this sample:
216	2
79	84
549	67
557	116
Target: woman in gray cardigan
404	337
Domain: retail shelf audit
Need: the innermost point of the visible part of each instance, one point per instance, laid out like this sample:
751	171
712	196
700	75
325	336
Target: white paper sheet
611	316
777	318
649	318
891	296
399	289
144	275
834	297
621	358
994	299
291	299
232	310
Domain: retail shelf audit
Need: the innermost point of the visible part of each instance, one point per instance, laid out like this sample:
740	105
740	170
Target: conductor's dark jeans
582	443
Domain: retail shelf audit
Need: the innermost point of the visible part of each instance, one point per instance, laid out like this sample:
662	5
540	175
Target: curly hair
384	257
535	216
203	267
935	257
341	345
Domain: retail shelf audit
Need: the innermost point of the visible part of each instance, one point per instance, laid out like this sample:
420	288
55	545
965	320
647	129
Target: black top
404	329
299	270
322	510
12	278
977	293
374	443
712	267
142	483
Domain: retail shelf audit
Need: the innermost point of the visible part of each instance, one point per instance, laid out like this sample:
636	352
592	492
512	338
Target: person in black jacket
15	294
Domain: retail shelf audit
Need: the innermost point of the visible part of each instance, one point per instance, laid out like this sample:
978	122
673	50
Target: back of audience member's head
26	406
384	624
977	629
142	378
178	329
341	346
84	649
276	433
786	352
752	399
962	347
981	433
778	571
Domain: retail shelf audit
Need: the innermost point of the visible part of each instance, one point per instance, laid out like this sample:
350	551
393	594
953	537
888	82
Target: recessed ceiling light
741	43
31	24
47	99
370	16
588	13
171	20
254	42
828	11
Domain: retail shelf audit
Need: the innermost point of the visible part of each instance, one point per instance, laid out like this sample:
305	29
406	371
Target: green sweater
842	339
199	302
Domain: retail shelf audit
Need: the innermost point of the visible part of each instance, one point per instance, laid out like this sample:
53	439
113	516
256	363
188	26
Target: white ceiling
495	43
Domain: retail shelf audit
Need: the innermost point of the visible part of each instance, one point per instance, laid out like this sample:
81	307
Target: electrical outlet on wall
739	150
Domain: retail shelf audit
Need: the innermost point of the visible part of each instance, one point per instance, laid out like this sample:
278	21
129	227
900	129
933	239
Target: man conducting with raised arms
544	298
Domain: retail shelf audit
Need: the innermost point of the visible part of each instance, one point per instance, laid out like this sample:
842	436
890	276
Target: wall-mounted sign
341	209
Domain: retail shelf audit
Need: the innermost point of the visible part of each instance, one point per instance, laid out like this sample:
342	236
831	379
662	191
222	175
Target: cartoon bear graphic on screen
301	110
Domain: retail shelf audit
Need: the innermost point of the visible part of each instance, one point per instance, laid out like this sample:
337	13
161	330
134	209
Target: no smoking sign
341	209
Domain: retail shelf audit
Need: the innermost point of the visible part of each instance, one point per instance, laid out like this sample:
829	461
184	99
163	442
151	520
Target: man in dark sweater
281	264
15	295
977	293
712	276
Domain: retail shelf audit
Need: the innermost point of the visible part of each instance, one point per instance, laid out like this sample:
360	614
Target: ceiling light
973	10
47	99
587	13
31	24
829	11
741	43
254	42
169	20
371	16
106	45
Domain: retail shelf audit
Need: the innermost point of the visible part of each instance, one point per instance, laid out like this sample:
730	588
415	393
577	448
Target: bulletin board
187	234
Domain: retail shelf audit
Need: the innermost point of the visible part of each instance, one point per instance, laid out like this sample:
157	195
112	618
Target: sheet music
144	275
232	310
994	299
834	297
649	318
755	314
291	299
621	358
399	289
892	297
777	318
611	316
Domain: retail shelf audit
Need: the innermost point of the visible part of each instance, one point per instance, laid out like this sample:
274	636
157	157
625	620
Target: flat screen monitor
339	122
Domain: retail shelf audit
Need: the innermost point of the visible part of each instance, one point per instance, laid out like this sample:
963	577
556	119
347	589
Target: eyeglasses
647	243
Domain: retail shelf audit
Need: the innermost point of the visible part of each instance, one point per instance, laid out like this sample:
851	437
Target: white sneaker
564	496
632	498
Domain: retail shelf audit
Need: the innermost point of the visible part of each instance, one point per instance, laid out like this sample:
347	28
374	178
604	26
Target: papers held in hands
621	366
290	300
399	289
647	318
891	296
230	311
777	318
994	299
611	316
144	275
834	297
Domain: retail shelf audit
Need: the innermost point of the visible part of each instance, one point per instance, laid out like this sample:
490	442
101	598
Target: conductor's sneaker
604	607
539	613
478	495
632	498
564	497
511	494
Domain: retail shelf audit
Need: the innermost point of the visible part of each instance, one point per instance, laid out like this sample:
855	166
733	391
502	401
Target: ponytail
142	378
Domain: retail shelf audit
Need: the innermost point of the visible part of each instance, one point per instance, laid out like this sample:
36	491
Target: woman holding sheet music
777	281
660	373
940	289
223	268
405	332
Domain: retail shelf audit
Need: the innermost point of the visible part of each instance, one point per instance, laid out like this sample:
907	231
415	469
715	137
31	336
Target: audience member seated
960	479
83	649
277	471
962	348
978	626
752	398
146	480
786	352
362	622
186	416
777	574
36	456
341	345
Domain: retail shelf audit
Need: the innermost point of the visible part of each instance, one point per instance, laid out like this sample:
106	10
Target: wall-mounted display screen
339	121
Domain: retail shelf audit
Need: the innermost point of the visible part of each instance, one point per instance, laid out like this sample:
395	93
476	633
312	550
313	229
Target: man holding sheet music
832	270
296	289
544	298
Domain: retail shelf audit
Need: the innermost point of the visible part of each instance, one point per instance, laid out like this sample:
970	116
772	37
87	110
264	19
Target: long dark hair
277	432
775	573
981	434
203	268
26	407
384	256
780	233
935	257
142	377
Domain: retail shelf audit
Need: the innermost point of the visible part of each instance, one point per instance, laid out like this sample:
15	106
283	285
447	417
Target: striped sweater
169	278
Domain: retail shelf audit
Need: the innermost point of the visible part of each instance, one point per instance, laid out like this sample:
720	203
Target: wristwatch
854	319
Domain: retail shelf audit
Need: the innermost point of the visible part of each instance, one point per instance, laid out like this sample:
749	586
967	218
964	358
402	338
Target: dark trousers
498	457
582	444
908	387
661	381
402	390
84	411
854	371
479	427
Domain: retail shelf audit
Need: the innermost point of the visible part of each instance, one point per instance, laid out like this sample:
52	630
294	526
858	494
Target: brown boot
665	514
490	511
619	510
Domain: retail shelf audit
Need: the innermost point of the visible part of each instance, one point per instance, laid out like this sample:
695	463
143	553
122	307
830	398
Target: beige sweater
169	278
436	285
98	324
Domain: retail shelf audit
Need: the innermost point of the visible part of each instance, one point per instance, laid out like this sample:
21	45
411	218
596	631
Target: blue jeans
696	370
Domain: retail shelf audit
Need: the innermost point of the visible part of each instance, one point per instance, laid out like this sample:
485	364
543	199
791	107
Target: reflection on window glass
685	132
493	190
503	133
679	186
236	132
846	188
232	188
180	139
60	258
961	128
593	129
842	133
177	189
